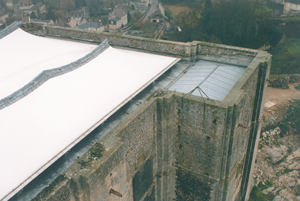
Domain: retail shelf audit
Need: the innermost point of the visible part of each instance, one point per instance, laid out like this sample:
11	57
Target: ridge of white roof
24	56
43	76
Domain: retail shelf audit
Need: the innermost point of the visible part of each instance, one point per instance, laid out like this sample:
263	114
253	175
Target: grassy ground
288	18
176	9
286	57
257	195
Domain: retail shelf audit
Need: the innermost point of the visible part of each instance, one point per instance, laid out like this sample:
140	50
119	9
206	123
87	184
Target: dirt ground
276	96
176	9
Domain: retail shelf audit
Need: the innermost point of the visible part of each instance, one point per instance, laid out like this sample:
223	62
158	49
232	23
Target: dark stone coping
48	74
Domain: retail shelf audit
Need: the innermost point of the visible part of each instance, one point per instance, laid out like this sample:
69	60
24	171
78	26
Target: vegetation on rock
276	174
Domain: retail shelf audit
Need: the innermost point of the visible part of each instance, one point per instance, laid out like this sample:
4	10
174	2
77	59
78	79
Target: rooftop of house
89	24
37	6
25	1
114	20
119	12
156	14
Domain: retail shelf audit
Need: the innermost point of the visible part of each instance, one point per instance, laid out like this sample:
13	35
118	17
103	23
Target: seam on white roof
14	26
48	74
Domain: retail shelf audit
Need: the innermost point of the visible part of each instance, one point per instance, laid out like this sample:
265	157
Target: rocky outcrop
278	165
282	81
276	154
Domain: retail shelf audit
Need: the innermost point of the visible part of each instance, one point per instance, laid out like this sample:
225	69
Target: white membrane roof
214	79
37	129
24	56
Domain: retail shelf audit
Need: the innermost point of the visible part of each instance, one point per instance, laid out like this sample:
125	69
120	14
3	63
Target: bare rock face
277	198
277	153
286	195
296	154
286	181
277	167
268	190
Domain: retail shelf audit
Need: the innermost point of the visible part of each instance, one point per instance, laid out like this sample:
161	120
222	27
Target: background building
291	6
118	19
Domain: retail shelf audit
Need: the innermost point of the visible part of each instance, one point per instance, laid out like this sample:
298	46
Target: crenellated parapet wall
48	74
204	144
189	49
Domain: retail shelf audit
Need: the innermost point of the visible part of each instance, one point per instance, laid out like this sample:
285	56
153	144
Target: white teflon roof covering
37	129
24	56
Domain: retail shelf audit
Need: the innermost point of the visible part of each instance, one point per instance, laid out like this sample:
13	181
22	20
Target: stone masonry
173	146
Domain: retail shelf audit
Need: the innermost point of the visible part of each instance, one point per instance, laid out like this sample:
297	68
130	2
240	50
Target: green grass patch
257	195
286	57
297	190
267	184
288	18
97	150
291	123
287	170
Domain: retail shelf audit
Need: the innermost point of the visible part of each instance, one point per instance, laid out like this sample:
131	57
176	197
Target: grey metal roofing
119	12
89	24
214	79
114	20
156	14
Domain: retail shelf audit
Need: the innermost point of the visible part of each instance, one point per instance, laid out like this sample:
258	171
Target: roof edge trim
48	74
11	28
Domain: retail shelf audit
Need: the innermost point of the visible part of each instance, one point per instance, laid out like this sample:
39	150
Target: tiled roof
89	24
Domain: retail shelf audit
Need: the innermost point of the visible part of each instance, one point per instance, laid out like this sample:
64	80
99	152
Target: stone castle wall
199	148
241	122
204	50
194	147
173	146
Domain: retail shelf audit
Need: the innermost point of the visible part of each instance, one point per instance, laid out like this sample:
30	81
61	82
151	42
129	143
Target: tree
243	23
80	3
95	8
33	15
67	5
50	14
128	16
168	14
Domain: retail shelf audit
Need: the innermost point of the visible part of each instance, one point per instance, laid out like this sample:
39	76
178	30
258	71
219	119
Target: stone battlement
173	145
189	49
